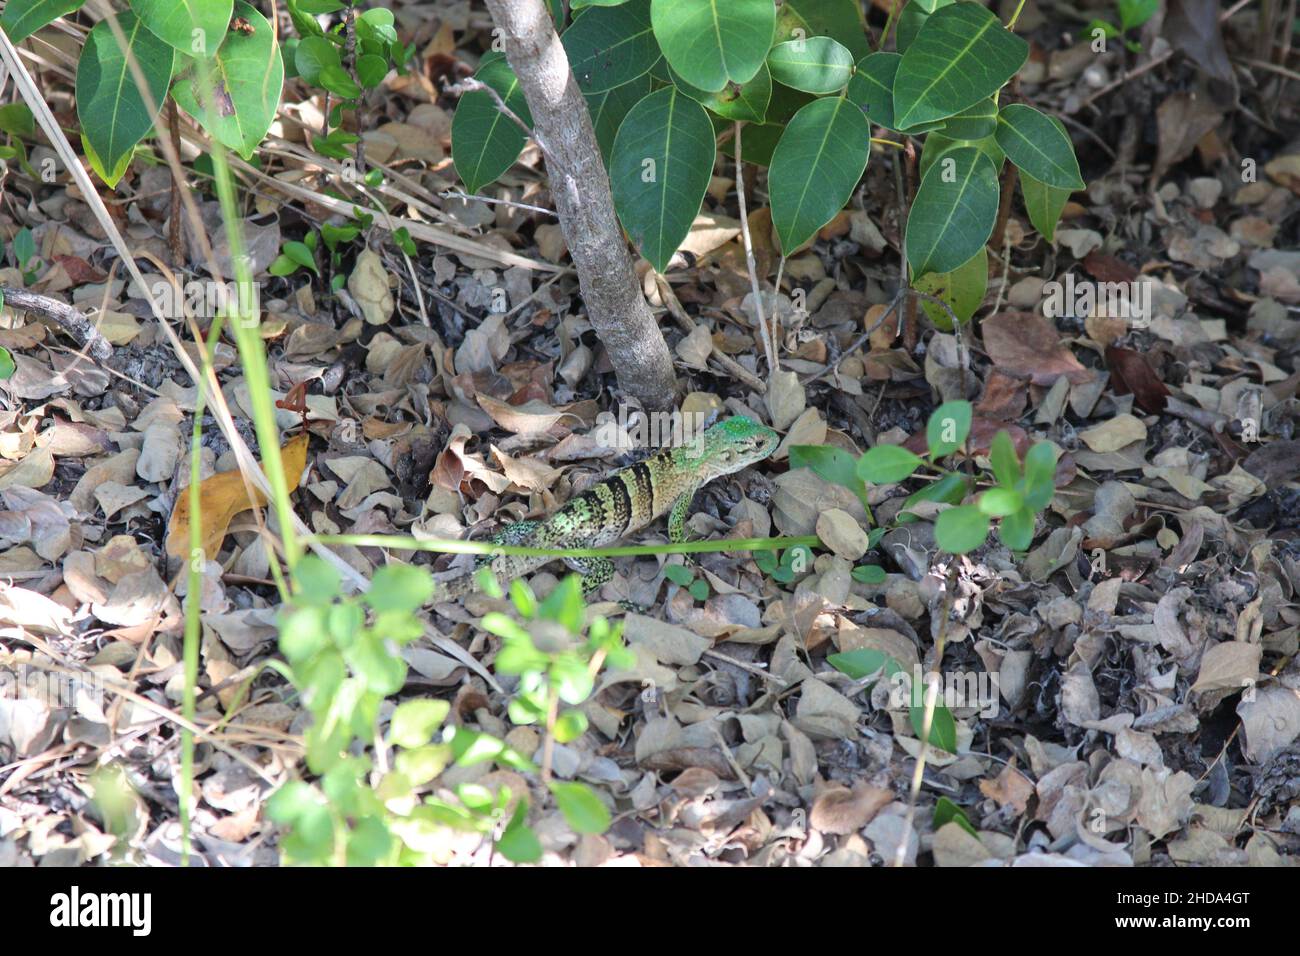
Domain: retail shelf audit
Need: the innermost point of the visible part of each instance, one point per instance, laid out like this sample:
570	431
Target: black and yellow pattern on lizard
627	501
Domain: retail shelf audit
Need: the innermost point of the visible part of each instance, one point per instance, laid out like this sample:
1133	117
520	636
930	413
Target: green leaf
24	246
887	464
1002	458
414	721
611	46
114	116
945	812
839	19
608	110
974	122
948	490
518	843
948	428
699	590
247	74
22	18
579	4
1134	13
1043	203
484	141
581	807
7	364
1040	475
869	574
954	211
659	170
399	587
710	43
312	55
863	662
830	463
564	605
943	728
194	27
814	65
570	725
16	119
1039	146
746	103
1000	502
938	145
1017	529
961	55
679	574
961	529
815	168
871	88
963	289
316	581
371	70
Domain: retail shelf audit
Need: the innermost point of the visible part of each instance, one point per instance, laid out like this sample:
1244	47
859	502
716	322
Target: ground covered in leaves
1146	705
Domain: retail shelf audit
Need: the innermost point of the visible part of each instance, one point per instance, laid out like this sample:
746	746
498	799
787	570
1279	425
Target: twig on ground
67	318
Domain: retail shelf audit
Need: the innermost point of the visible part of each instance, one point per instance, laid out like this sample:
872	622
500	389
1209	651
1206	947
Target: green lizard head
734	443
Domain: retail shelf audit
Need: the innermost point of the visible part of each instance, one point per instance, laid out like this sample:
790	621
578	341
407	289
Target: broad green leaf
399	587
815	168
7	364
713	42
953	213
1040	475
814	65
1039	146
887	464
869	574
22	18
484	141
936	145
962	55
610	46
1043	203
17	120
659	169
945	812
679	574
1002	459
871	88
863	662
518	843
948	490
247	76
746	103
1000	502
114	116
1017	529
759	142
974	122
963	289
948	428
961	529
831	463
943	727
840	20
414	721
1134	13
582	809
194	27
609	108
314	54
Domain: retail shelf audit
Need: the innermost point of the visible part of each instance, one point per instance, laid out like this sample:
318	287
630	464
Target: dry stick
458	194
733	367
767	335
580	188
927	721
174	225
69	319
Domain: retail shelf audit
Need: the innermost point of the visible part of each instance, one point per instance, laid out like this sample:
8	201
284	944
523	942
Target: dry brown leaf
223	496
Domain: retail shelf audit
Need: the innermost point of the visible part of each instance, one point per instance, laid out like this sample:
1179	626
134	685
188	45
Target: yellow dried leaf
223	496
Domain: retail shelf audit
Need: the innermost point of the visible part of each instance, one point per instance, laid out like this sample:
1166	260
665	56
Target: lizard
627	501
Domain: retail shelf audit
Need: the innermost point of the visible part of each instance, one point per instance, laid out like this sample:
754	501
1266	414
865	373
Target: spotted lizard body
627	501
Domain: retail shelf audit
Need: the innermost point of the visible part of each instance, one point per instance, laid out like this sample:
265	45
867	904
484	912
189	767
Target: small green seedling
1132	15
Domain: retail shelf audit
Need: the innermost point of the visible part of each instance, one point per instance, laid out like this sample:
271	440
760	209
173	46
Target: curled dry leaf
223	496
1024	344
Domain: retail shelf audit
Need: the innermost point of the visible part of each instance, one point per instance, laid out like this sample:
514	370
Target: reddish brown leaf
1106	268
1131	372
1025	344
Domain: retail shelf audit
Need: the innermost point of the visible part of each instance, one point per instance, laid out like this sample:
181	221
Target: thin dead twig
70	320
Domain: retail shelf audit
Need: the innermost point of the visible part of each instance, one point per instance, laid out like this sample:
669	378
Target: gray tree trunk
580	187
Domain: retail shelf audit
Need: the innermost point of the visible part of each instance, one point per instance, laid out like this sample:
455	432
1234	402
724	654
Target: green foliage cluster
378	798
664	79
1132	15
1015	492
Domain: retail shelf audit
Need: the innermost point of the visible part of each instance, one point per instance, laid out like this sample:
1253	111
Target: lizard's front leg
595	572
677	517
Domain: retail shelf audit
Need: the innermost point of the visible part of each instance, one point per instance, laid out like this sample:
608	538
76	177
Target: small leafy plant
377	799
802	89
1014	494
1132	15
